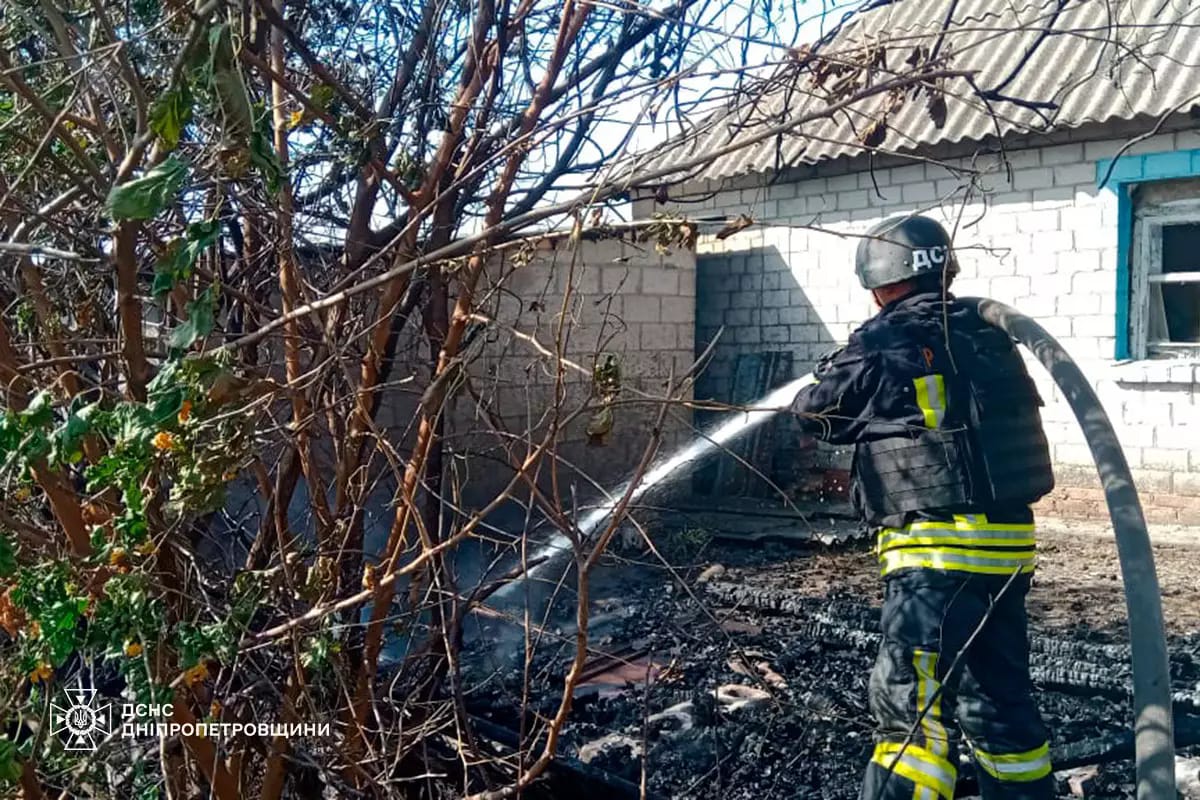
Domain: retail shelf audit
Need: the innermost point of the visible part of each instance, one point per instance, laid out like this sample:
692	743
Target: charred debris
742	673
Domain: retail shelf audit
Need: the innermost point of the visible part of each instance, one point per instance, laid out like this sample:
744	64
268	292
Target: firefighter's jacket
949	451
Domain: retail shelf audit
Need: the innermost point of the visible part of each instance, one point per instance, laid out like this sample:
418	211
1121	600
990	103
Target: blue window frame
1128	171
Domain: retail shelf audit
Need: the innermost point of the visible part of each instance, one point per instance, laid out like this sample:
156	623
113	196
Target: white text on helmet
929	257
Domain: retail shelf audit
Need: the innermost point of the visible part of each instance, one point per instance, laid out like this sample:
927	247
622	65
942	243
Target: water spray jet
553	552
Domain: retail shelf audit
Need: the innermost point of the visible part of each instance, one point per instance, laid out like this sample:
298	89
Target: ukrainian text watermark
84	720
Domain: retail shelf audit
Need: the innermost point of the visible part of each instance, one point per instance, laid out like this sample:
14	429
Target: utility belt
965	543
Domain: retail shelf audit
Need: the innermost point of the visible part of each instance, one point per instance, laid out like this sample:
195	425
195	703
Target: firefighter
949	454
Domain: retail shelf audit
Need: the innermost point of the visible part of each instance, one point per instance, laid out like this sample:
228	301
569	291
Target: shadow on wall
510	402
770	332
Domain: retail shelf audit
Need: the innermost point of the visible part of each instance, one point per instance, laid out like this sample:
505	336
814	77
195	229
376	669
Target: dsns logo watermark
82	721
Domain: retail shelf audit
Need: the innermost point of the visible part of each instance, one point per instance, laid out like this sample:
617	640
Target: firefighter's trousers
929	616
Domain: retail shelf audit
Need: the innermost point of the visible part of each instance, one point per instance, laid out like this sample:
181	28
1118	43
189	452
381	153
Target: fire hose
1152	724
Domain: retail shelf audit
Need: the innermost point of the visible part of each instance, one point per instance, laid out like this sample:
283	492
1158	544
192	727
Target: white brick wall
1046	243
625	299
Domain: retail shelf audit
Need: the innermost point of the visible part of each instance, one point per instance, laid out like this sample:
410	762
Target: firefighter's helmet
901	248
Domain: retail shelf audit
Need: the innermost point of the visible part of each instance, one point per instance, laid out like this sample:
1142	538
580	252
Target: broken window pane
1181	306
1175	306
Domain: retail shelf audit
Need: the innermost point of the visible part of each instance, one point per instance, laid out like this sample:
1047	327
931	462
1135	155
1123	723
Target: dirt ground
814	733
1079	577
1077	584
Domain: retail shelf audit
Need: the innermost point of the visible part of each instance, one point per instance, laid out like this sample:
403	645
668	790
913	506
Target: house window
1165	289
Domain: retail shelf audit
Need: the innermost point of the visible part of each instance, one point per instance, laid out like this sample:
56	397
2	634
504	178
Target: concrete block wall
1043	240
606	296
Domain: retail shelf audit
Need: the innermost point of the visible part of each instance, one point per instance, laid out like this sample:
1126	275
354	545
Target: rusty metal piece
620	670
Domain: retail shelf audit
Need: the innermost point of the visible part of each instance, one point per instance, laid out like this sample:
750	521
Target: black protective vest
989	451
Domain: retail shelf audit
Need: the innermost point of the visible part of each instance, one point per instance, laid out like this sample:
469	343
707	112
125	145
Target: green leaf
104	474
144	197
38	413
171	114
131	526
317	653
134	425
68	439
263	156
37	445
129	609
163	283
166	405
166	378
229	87
10	768
8	555
184	254
196	642
199	321
322	96
46	594
26	317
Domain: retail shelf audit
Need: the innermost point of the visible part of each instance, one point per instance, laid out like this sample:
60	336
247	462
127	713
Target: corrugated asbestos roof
1096	60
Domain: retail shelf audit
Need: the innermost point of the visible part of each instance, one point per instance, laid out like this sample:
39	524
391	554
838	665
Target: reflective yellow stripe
918	765
1023	556
931	399
892	542
889	540
929	702
966	530
1031	765
978	561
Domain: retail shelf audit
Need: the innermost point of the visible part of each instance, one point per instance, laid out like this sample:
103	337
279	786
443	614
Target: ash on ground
742	671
